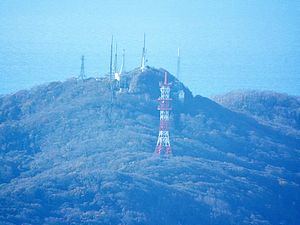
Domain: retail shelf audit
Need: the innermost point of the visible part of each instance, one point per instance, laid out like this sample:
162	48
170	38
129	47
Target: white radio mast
122	68
143	55
178	64
116	60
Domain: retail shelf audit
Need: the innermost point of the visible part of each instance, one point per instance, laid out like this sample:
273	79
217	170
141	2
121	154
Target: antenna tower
143	55
178	64
122	68
110	75
111	55
164	107
116	60
82	73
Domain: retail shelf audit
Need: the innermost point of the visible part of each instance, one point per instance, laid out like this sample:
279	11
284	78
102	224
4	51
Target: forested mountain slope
69	156
272	107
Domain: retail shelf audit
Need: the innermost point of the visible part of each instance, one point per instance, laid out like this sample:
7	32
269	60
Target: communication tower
164	107
143	62
122	68
110	75
116	61
178	64
82	73
111	56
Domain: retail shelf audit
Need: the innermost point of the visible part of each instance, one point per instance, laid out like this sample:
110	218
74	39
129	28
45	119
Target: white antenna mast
116	60
122	69
143	55
111	55
178	64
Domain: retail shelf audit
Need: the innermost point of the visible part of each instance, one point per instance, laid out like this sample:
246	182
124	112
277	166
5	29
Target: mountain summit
70	155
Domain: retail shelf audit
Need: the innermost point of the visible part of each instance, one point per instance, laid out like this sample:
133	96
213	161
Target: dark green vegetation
274	108
70	157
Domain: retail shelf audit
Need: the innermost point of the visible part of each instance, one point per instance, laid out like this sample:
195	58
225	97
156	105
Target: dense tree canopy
69	156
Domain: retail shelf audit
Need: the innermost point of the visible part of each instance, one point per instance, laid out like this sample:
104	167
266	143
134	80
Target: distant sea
205	74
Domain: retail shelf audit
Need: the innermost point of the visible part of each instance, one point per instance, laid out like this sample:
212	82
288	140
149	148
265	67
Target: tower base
159	148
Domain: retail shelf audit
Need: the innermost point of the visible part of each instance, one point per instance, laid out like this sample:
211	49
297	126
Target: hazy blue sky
225	44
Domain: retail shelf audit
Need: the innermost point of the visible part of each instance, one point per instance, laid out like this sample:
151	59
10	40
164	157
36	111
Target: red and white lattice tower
164	107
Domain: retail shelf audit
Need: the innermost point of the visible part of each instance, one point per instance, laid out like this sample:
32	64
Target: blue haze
225	45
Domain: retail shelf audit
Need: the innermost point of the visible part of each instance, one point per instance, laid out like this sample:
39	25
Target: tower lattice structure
164	107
